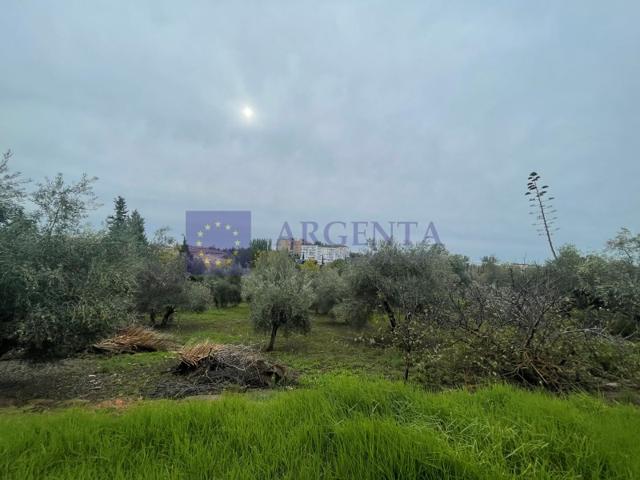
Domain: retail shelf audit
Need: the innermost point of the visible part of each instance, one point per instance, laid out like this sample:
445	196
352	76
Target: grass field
349	418
340	427
331	345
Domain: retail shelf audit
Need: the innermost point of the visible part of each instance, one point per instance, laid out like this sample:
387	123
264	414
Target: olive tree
161	286
624	250
408	284
60	289
225	290
328	290
11	190
279	296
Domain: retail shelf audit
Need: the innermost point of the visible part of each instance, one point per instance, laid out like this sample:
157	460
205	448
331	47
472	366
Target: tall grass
342	428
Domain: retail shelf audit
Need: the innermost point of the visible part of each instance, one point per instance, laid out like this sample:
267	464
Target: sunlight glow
247	112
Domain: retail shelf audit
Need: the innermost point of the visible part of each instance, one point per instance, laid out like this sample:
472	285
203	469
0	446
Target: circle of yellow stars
218	226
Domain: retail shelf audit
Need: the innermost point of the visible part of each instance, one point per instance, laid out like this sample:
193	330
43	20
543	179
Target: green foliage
11	190
279	296
522	333
126	231
410	284
63	293
225	290
492	272
62	206
61	290
608	286
197	296
338	428
64	286
257	246
399	280
573	361
161	286
310	266
626	246
117	222
135	227
328	290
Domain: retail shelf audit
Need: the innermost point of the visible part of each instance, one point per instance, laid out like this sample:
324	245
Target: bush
328	290
197	297
521	334
63	294
354	312
225	291
573	362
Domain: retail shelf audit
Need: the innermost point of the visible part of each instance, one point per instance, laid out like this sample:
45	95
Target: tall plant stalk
543	207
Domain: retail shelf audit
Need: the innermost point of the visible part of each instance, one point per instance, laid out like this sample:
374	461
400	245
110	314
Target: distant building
324	254
305	251
290	245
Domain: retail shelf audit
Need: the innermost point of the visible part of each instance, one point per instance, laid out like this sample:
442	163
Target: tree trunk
407	365
152	317
166	318
390	314
272	341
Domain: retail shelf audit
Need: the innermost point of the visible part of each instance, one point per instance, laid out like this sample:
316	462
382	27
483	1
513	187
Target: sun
247	112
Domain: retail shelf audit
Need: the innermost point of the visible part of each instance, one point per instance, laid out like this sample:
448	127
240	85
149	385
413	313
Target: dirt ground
92	379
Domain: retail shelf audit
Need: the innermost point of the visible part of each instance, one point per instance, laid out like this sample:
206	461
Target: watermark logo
217	239
362	233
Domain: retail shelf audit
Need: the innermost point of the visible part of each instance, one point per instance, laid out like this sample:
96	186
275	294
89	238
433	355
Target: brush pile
134	340
211	363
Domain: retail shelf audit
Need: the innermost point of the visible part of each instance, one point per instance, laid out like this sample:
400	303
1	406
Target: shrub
197	297
521	334
64	293
225	291
328	290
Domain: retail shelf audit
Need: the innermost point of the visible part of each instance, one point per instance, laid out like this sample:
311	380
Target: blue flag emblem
217	239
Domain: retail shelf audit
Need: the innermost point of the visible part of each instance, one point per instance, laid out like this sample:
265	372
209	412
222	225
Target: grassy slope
340	427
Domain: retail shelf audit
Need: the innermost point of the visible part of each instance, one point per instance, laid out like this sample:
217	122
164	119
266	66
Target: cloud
364	111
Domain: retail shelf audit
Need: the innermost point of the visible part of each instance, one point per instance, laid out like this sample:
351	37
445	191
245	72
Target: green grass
337	427
329	347
128	363
360	425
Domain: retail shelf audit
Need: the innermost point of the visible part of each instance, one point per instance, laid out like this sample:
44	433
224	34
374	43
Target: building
290	245
305	251
324	254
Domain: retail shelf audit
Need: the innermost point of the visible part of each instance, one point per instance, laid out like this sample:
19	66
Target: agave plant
542	207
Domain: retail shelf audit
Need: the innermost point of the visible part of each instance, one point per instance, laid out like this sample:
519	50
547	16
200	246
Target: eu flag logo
217	239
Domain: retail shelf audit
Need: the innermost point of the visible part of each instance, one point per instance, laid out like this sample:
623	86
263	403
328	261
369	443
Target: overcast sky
406	111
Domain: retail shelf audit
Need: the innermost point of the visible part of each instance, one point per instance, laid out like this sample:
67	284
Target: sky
363	111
